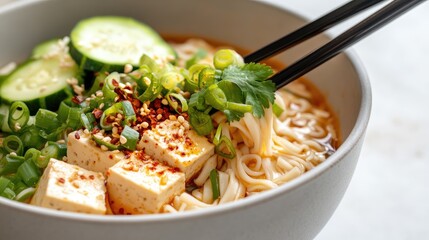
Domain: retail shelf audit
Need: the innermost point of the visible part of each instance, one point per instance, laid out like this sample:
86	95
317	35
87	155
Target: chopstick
312	29
369	25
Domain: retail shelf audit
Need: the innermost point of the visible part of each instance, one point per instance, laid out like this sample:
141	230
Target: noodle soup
270	151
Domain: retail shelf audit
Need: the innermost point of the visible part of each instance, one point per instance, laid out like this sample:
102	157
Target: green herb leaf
252	81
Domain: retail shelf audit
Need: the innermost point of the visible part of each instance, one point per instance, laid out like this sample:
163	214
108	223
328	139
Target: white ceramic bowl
296	210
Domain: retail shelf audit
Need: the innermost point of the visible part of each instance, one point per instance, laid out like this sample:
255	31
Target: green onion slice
219	140
10	164
128	111
32	154
201	122
25	194
277	110
31	138
29	173
129	138
108	145
13	143
154	89
18	116
46	120
214	180
226	57
174	104
110	83
8	193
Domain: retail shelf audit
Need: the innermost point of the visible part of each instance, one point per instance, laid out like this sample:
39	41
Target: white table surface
389	194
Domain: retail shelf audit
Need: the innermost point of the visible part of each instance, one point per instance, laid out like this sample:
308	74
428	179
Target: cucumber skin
51	102
91	64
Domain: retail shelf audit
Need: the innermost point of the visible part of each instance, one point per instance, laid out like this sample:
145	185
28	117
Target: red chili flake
174	170
159	111
127	154
76	135
77	99
97	113
136	103
82	177
115	83
95	130
61	180
183	154
121	211
91	177
114	141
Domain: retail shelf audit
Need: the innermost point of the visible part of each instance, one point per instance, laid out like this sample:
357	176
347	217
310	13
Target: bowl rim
354	137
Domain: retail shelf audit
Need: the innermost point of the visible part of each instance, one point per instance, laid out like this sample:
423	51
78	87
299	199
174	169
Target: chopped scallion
13	144
10	163
277	110
29	173
31	137
214	180
128	111
183	103
46	120
201	122
101	142
25	194
129	138
226	57
18	116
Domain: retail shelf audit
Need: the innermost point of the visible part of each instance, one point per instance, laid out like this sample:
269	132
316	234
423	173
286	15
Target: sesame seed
181	119
145	124
101	106
104	148
147	80
186	125
164	102
123	140
159	116
172	117
181	132
99	93
128	68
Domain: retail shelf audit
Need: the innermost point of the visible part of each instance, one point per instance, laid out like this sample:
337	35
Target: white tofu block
70	188
177	146
141	185
82	151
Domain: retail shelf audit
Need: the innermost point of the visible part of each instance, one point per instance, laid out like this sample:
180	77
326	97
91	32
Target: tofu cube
82	151
175	144
142	185
70	188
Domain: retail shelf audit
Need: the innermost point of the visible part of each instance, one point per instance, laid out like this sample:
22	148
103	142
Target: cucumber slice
115	41
40	83
46	48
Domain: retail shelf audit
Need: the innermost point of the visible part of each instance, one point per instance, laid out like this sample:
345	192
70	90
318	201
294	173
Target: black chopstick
338	44
312	29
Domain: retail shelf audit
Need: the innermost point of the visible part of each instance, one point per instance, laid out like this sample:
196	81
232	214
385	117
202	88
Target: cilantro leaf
253	83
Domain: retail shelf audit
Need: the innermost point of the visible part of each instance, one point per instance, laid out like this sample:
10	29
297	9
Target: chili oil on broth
271	150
